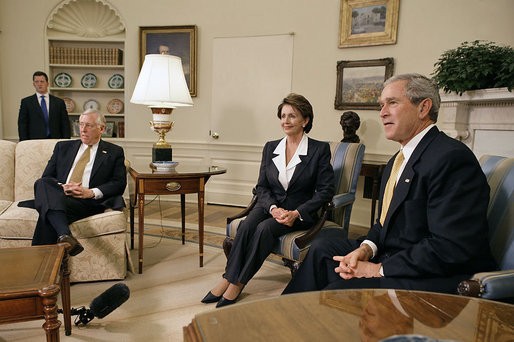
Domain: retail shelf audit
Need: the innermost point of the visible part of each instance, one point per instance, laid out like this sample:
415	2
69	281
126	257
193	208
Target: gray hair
100	118
418	88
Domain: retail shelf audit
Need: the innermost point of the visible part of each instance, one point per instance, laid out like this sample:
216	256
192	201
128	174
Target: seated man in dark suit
83	178
432	232
43	116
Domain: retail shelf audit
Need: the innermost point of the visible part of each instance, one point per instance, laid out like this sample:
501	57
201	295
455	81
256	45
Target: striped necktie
390	186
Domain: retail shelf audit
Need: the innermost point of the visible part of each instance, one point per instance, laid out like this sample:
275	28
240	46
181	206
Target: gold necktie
78	171
391	184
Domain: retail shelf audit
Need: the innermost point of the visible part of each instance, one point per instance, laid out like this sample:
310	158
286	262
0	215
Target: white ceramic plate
88	80
116	81
62	80
91	104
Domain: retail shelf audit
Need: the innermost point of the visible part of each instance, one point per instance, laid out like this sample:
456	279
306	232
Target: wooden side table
373	170
182	181
29	286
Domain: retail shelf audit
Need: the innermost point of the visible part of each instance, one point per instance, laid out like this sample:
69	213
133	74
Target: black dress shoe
75	246
210	298
224	302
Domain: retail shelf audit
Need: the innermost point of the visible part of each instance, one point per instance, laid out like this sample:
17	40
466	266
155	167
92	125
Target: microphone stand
84	316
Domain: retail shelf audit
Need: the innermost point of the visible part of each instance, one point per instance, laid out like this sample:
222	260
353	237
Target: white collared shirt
285	172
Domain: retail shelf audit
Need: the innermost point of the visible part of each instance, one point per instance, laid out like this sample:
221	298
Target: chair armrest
343	199
246	210
305	239
489	285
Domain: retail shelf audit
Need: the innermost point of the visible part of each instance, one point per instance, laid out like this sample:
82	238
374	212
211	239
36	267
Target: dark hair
40	73
302	105
418	88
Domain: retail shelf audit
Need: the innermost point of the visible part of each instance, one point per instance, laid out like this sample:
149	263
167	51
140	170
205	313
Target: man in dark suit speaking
83	177
43	116
432	232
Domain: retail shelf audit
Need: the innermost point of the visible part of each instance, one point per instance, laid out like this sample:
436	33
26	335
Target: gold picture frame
178	41
359	83
368	22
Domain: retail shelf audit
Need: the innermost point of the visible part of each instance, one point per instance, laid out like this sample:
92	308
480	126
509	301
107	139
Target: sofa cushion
4	205
31	159
7	149
19	222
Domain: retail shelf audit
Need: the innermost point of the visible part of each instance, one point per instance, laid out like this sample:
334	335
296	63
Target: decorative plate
62	80
70	105
91	104
116	81
88	80
115	106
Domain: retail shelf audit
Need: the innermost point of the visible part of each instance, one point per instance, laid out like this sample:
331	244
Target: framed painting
368	22
359	83
178	41
109	129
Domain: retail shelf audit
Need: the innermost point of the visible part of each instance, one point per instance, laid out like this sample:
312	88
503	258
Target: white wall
426	29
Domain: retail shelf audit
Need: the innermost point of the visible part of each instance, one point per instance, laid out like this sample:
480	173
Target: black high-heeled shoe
210	298
224	301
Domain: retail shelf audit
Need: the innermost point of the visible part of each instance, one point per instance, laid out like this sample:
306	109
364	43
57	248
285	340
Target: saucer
163	166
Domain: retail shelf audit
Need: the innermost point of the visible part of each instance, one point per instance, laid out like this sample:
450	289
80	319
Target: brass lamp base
161	150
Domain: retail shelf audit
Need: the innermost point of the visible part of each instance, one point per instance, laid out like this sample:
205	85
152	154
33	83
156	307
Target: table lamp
162	86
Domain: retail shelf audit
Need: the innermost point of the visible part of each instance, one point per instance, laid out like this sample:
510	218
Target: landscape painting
359	83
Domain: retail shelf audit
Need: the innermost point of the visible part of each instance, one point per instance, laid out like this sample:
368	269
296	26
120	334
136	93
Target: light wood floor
215	215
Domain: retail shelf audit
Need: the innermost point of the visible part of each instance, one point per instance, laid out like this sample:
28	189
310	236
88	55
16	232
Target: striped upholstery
347	161
500	216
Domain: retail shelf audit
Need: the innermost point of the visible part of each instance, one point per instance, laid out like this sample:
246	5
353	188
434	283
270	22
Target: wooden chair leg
227	245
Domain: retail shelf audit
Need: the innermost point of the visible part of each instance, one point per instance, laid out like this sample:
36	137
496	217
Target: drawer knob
173	186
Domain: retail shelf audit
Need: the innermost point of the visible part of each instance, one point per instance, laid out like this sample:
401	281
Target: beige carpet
163	299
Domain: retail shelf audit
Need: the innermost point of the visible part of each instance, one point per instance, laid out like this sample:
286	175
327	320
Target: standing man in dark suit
43	116
72	187
434	233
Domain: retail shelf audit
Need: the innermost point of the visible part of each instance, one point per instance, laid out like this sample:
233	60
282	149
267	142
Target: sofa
103	236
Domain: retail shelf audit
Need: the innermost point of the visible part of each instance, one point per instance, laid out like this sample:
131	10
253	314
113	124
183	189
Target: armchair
500	216
292	247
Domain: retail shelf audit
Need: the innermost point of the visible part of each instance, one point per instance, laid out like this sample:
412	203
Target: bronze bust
350	122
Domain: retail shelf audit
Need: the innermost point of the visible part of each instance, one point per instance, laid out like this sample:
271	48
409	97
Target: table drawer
20	309
169	187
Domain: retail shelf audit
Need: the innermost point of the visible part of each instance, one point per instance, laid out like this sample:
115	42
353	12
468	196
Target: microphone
101	306
111	299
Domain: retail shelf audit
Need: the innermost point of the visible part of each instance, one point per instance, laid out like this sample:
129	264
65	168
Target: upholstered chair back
500	214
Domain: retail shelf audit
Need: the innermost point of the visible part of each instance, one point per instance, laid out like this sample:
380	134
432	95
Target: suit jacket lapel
404	182
311	150
37	106
101	156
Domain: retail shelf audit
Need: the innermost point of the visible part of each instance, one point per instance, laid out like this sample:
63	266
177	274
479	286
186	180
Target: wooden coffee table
356	315
32	277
